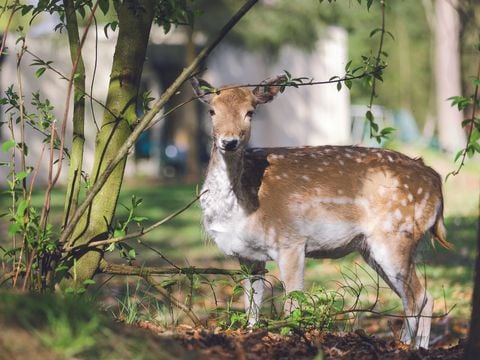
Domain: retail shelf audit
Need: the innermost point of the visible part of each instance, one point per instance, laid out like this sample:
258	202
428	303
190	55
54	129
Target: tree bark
135	19
473	344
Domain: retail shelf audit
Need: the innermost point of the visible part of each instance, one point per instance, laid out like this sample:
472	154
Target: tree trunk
473	344
447	75
78	140
135	19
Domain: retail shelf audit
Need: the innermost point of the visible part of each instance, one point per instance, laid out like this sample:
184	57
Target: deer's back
331	195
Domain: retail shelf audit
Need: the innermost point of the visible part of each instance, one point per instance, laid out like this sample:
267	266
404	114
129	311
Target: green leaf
238	290
40	72
369	116
21	175
119	233
339	86
13	228
374	31
458	154
8	145
89	282
22	207
104	5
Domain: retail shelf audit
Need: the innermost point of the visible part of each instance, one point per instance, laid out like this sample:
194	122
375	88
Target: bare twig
307	83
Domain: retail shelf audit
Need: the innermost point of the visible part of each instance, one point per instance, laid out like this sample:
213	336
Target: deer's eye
249	114
212	112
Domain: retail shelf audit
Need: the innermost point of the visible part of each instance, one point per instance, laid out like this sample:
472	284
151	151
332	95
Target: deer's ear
268	89
202	89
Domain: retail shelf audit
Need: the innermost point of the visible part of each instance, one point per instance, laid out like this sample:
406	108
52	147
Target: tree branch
134	235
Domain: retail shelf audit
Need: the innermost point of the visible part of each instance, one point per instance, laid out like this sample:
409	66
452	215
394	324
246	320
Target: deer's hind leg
394	261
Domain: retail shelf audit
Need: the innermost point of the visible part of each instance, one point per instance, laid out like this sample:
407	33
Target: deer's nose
229	144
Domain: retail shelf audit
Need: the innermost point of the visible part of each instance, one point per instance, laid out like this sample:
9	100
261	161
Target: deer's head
232	109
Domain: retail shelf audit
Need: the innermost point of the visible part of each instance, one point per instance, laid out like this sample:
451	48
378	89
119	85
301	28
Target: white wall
310	115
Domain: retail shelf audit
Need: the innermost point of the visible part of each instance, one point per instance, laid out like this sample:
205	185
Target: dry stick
147	118
115	269
137	234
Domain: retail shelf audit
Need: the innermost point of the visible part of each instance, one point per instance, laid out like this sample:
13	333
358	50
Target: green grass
448	273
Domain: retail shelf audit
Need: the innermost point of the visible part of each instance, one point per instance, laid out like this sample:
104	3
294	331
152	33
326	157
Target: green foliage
68	325
314	309
121	229
472	124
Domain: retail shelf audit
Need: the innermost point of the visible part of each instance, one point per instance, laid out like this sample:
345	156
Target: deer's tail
440	233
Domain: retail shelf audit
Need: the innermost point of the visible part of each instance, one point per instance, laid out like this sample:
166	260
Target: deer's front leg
291	263
254	287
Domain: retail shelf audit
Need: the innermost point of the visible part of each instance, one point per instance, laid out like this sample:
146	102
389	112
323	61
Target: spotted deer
285	204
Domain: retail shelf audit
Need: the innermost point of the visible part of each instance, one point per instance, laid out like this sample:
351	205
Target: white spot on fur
278	177
403	202
410	197
387	225
306	178
285	175
405	186
320	169
358	160
379	155
381	190
348	155
390	159
419	191
325	163
398	214
341	162
340	192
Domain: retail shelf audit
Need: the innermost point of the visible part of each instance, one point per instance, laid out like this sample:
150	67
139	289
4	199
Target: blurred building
310	115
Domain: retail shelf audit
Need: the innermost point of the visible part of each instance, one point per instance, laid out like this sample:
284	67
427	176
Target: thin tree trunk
447	75
78	140
473	344
135	19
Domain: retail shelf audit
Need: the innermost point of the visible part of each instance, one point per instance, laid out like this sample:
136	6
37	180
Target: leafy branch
473	123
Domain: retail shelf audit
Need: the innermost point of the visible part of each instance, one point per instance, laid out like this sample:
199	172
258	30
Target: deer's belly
235	239
331	239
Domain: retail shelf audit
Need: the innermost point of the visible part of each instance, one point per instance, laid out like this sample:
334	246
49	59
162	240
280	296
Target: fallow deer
285	204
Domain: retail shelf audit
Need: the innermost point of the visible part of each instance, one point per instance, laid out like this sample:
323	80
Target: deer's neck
225	171
223	186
